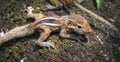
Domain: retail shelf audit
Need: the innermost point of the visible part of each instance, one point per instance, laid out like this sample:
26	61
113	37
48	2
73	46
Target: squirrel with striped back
63	24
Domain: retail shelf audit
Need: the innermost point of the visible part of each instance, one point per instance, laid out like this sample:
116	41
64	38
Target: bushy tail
16	33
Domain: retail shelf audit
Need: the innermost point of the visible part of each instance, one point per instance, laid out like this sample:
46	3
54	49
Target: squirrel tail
16	33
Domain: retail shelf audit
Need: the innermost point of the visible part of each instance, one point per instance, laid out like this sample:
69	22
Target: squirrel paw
48	44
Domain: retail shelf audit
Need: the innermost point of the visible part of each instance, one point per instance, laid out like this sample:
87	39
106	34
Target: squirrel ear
69	23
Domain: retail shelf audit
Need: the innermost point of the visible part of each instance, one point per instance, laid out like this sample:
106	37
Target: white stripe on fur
48	18
51	24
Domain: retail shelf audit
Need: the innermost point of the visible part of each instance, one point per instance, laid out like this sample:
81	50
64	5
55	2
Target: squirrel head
73	24
81	23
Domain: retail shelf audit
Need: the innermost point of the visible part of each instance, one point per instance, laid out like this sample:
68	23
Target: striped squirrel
96	21
63	24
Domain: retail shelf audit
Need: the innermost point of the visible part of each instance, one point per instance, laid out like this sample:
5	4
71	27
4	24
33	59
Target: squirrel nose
90	31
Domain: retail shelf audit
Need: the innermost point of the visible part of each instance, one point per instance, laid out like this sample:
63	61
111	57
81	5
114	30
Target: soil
98	48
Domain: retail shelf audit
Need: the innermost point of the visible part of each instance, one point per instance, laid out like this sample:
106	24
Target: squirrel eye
79	26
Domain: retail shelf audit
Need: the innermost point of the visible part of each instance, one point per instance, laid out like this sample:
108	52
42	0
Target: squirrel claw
51	44
47	44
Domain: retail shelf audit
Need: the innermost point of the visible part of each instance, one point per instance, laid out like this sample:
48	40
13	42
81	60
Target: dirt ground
98	49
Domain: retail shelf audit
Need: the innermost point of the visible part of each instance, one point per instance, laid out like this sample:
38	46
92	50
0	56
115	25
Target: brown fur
85	26
36	16
67	23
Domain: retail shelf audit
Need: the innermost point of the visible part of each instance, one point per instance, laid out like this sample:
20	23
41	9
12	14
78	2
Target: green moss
65	44
14	11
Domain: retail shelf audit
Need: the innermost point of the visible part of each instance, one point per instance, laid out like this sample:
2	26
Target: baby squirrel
63	24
